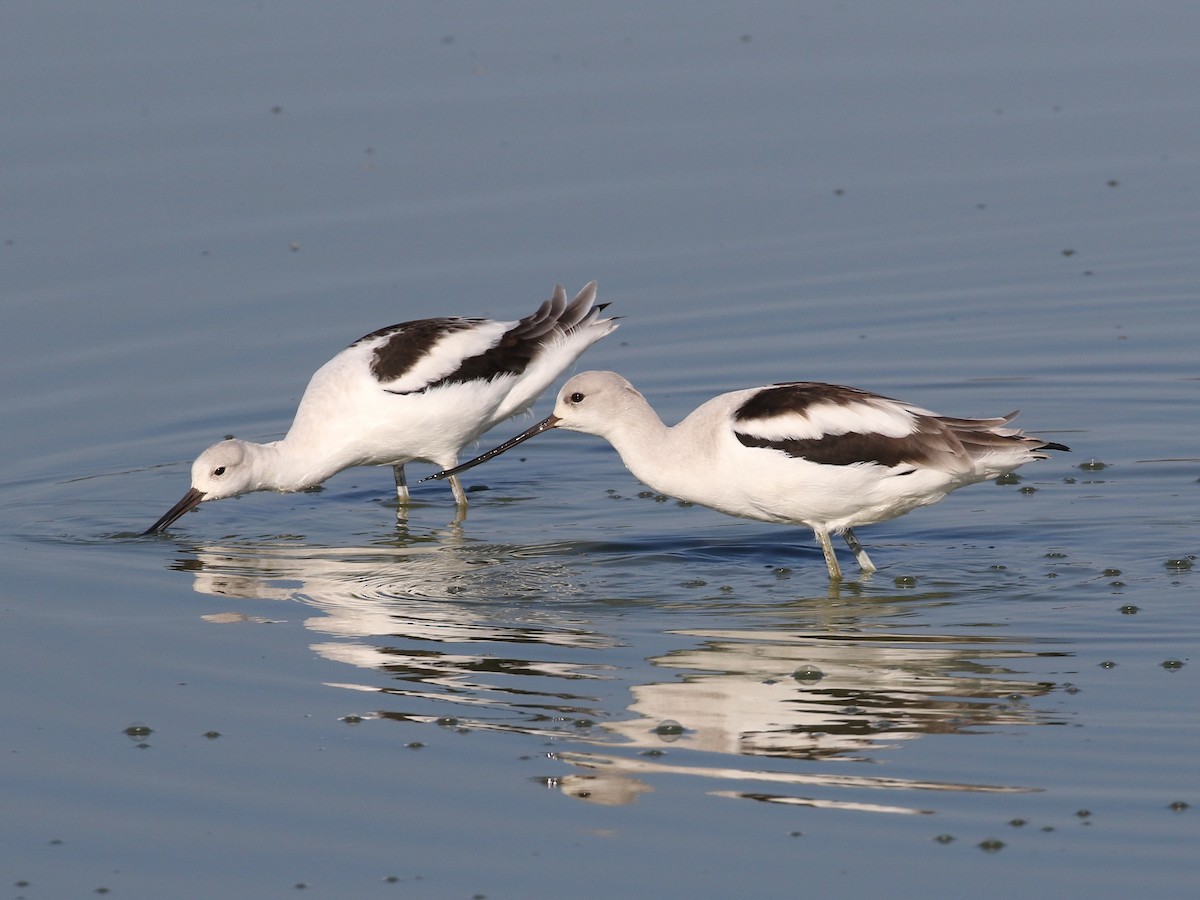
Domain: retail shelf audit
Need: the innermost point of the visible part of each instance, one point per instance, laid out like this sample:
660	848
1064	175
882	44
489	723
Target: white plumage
822	455
416	391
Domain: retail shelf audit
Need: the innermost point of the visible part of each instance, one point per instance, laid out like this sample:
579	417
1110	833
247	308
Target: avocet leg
860	554
401	485
460	496
835	571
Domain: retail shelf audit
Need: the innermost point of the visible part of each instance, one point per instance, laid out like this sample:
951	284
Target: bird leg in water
835	571
860	554
401	485
460	496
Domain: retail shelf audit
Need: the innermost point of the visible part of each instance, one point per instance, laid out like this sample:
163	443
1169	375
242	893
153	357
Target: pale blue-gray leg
460	496
860	554
401	484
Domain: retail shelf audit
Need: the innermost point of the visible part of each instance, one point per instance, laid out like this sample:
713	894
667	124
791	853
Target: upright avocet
418	390
821	455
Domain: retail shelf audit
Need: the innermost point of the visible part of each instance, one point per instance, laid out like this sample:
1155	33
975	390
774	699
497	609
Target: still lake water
974	209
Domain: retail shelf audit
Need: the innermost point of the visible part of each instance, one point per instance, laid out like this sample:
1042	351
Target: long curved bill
189	502
545	425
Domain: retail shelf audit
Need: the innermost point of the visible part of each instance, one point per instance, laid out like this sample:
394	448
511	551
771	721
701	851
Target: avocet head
223	470
593	402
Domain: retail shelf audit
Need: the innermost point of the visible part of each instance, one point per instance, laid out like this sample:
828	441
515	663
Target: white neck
644	444
283	466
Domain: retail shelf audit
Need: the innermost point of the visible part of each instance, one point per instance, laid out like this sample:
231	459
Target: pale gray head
595	403
225	469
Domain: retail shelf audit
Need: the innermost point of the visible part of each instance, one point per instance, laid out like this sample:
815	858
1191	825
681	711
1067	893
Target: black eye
576	397
219	470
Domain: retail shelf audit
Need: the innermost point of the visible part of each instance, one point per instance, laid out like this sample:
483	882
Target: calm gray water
974	208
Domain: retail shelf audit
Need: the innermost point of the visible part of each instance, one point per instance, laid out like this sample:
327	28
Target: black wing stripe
409	343
847	449
796	397
510	355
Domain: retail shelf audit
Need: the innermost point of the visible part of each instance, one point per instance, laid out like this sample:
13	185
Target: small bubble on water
669	730
1178	806
945	839
808	674
991	845
1129	609
1172	664
1180	565
905	581
1108	664
1093	465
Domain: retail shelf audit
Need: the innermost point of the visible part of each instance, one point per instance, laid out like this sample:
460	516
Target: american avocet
821	455
418	390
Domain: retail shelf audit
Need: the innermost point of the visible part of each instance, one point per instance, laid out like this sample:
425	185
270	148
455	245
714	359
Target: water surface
586	688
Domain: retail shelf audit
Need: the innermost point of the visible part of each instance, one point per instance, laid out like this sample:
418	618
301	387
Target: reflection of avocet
803	696
437	592
470	634
609	779
820	694
404	611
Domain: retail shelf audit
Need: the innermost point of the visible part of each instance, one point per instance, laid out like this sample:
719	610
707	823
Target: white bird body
416	391
826	456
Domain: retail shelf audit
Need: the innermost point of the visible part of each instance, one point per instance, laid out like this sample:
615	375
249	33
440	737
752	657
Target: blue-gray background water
588	690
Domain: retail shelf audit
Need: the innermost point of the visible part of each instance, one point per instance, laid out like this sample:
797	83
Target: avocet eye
219	471
576	397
